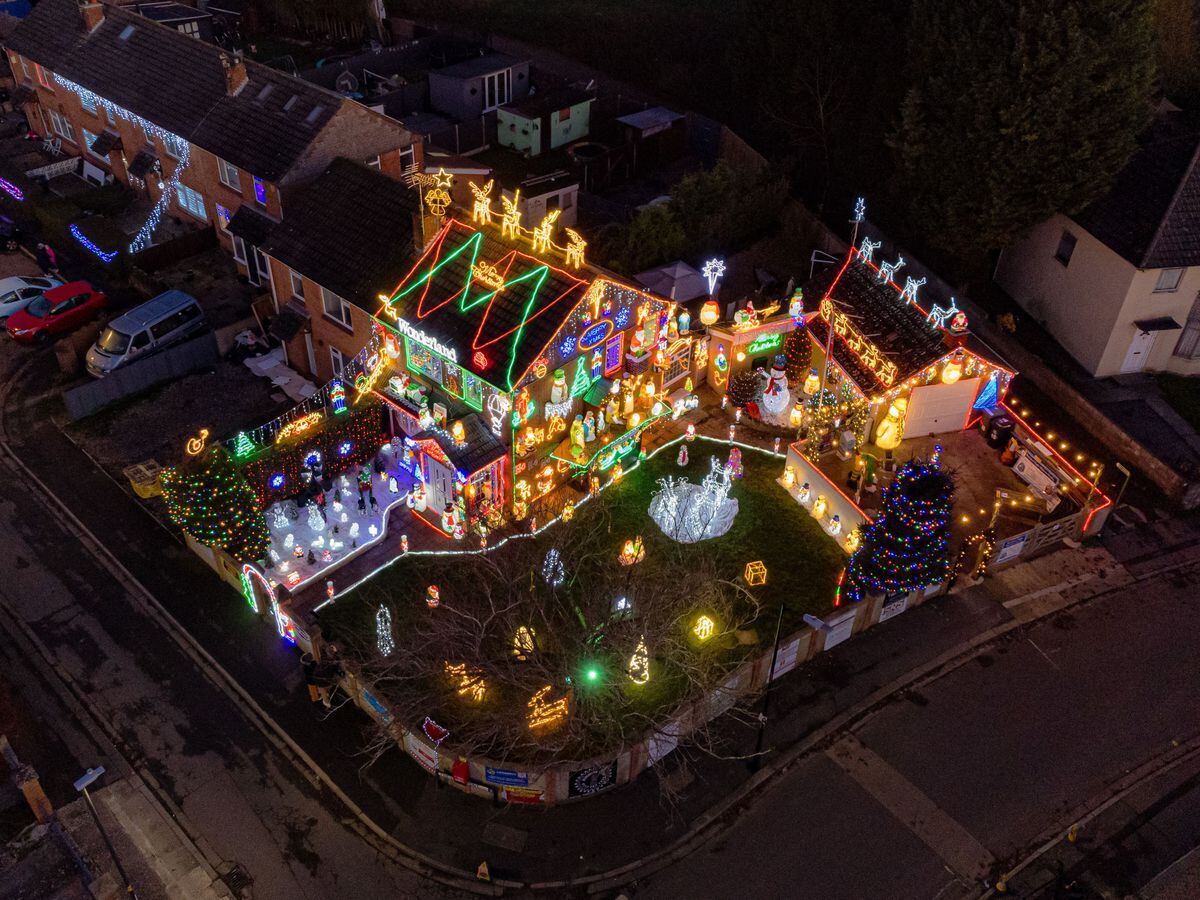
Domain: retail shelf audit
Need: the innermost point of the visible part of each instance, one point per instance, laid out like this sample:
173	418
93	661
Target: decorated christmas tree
908	545
797	352
745	388
210	500
583	379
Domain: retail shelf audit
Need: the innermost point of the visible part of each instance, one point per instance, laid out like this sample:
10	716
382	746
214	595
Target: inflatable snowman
776	399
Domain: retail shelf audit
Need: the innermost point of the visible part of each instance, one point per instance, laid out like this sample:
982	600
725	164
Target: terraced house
200	133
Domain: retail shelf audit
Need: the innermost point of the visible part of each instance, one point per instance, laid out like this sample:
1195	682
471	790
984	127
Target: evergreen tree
908	545
583	378
1017	109
797	352
745	388
210	500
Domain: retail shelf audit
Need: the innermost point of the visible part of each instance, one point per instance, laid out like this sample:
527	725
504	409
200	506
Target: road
927	795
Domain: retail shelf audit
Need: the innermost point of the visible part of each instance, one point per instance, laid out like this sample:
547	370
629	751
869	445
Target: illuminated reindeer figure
510	223
887	271
541	234
911	286
867	251
481	211
575	248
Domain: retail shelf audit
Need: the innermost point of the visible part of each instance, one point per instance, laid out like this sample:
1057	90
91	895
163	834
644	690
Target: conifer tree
798	352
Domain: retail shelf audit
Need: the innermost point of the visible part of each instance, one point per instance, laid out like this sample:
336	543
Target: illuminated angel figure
911	286
481	211
510	224
575	248
541	234
867	251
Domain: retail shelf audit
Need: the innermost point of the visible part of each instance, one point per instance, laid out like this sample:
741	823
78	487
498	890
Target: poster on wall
786	660
1010	548
893	605
426	756
508	777
592	780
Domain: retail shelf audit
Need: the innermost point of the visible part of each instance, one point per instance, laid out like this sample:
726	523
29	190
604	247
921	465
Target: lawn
1184	396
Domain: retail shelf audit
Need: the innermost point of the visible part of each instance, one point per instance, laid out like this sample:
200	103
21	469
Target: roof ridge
1147	255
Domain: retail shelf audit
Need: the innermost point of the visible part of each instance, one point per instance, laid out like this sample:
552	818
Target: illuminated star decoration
712	271
887	271
867	251
939	315
860	209
911	286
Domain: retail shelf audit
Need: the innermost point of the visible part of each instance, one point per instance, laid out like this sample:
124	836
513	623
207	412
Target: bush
745	388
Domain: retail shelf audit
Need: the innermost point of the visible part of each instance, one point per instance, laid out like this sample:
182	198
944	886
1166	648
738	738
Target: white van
167	319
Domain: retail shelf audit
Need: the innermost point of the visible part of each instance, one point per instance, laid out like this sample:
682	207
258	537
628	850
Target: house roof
897	328
479	66
274	126
350	230
651	121
171	12
1151	215
498	334
251	225
676	280
479	447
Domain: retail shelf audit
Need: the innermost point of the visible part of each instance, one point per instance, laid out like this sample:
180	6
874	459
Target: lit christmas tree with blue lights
908	545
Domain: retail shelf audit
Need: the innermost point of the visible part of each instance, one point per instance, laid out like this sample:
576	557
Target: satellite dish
346	83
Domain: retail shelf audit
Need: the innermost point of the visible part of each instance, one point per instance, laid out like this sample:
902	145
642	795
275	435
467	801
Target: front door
1139	352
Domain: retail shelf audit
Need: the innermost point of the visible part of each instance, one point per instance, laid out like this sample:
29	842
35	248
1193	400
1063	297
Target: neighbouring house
349	234
1118	284
187	20
544	121
654	137
199	133
475	87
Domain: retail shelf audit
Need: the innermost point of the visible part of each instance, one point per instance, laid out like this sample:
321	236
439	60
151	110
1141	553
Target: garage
937	408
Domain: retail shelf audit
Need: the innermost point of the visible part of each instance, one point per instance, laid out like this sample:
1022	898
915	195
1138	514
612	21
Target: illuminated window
192	201
223	218
260	191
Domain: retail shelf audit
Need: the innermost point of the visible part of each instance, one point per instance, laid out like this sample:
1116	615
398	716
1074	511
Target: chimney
235	72
92	12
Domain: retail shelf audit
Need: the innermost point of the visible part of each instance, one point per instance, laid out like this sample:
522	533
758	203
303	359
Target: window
408	157
229	175
62	126
373	162
192	202
140	341
20	60
420	358
1066	247
223	218
337	360
564	115
1168	281
174	145
297	284
335	307
612	354
88	101
191	29
496	89
260	191
43	77
239	249
88	140
567	199
1188	345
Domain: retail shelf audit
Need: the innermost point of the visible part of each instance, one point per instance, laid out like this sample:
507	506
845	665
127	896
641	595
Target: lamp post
88	778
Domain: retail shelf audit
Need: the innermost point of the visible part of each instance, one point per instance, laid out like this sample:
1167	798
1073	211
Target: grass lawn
1184	396
803	562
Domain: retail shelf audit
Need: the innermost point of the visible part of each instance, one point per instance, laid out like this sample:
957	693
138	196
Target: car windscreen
113	341
39	308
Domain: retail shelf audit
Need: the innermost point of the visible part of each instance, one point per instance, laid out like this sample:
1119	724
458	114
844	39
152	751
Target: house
187	20
199	133
544	121
654	137
349	234
1118	284
474	87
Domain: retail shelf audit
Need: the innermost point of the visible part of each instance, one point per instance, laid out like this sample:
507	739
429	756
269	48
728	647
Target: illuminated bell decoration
432	596
820	506
952	371
710	312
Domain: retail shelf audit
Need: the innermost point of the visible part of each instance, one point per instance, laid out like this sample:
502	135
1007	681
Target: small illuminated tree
745	388
210	500
798	353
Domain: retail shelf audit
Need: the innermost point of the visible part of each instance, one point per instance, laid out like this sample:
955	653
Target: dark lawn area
1184	396
803	562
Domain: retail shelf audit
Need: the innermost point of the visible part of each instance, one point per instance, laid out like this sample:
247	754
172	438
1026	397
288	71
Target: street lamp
86	780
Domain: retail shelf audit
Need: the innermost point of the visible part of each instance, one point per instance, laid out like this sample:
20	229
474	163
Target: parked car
10	234
59	310
167	319
17	292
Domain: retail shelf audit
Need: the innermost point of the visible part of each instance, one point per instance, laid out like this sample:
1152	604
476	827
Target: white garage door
935	408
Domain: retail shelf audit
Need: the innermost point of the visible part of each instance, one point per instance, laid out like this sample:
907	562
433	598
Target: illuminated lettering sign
765	342
595	335
413	333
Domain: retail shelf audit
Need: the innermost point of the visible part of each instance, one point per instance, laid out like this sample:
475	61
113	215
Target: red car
57	311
